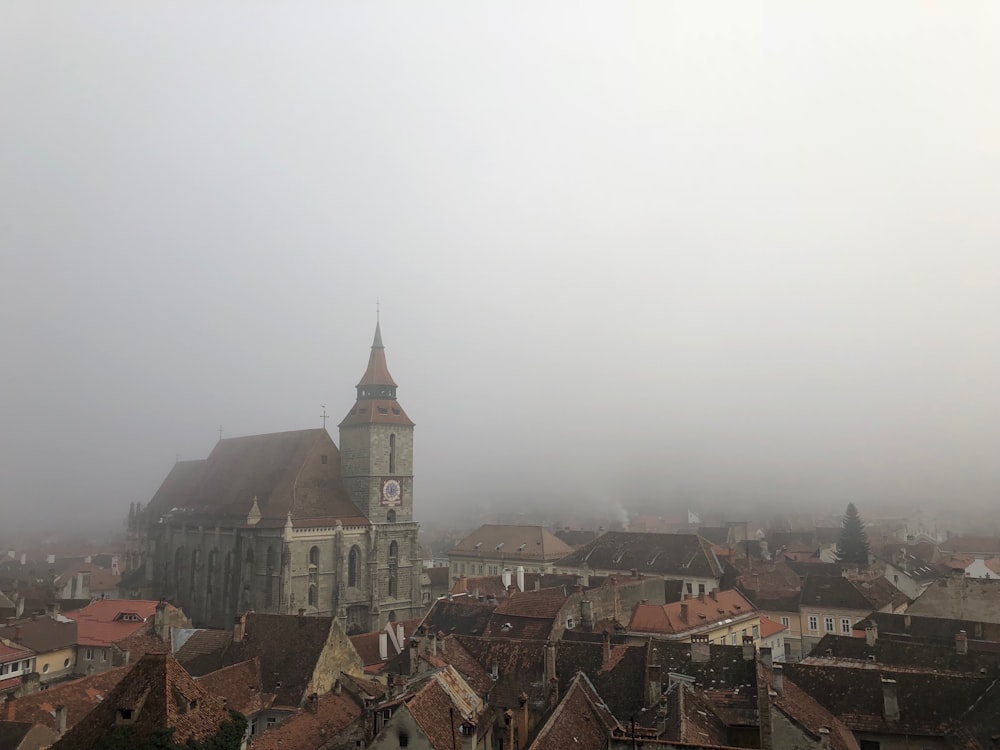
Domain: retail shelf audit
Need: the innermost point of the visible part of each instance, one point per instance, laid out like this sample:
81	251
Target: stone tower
376	445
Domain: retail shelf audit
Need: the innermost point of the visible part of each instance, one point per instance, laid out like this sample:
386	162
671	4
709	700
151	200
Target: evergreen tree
852	547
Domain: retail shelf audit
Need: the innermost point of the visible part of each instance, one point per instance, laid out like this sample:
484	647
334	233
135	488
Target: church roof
378	371
295	472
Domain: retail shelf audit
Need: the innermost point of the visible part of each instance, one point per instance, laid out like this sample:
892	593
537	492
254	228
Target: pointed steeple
376	390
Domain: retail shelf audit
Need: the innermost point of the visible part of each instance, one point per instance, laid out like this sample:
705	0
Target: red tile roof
690	614
78	696
241	686
102	623
313	726
581	720
769	627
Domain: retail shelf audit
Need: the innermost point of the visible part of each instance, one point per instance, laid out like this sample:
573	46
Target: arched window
195	567
391	516
179	567
314	557
392	454
393	568
353	566
312	595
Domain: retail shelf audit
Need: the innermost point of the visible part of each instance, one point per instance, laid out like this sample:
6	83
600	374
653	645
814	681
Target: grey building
286	522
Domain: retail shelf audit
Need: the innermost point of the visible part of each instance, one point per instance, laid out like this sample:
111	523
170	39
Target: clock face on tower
392	493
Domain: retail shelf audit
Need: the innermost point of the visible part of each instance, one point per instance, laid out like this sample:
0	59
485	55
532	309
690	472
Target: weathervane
220	432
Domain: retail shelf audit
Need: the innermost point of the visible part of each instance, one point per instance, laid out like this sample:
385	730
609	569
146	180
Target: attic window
322	459
404	739
397	412
383	410
192	704
125	714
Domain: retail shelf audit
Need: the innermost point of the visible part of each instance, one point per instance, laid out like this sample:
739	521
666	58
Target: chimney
765	656
11	621
701	649
337	687
890	701
414	655
383	645
505	577
824	738
61	720
11	554
239	628
654	684
778	679
749	649
550	661
871	634
961	643
24	558
19	632
30	684
160	626
522	701
606	653
311	704
684	611
50	559
520	578
906	623
714	596
432	644
440	641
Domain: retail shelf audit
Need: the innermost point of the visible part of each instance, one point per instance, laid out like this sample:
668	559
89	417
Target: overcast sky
684	252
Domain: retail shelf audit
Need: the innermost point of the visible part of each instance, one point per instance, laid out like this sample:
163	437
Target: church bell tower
376	445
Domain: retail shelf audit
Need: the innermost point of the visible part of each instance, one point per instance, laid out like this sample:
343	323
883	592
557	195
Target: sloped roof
433	710
920	627
101	623
314	726
13	733
41	634
519	664
976	599
769	627
177	488
581	720
241	686
810	715
690	614
927	702
835	592
160	694
203	651
515	542
78	696
270	468
289	648
649	553
905	653
972	545
461	616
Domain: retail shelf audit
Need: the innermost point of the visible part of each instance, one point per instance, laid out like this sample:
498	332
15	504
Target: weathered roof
905	653
661	554
314	726
924	627
241	686
295	472
14	733
203	651
41	634
461	616
809	714
177	488
515	543
581	720
833	592
690	614
963	598
104	622
158	694
972	545
289	648
78	696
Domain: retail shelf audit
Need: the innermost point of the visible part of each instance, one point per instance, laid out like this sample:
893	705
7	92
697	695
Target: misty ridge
630	260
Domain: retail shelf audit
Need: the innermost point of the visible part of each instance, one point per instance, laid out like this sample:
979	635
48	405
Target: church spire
377	385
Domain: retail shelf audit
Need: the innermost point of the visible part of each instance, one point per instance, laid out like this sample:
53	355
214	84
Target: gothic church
286	523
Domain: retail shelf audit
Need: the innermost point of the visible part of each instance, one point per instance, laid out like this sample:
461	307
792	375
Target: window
26	665
271	721
65	662
4	668
756	631
845	625
732	639
312	595
314	557
90	654
701	589
786	622
828	622
322	459
46	667
393	570
104	654
813	623
689	586
353	566
569	623
392	454
390	517
404	739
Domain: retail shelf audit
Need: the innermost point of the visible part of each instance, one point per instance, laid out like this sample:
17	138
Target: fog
648	253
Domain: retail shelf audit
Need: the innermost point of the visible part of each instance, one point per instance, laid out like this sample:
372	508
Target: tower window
392	454
390	517
353	567
312	595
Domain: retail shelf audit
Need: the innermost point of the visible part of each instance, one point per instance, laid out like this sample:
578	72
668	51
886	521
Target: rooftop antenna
220	432
324	415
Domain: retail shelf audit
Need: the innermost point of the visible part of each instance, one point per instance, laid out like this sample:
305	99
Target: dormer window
125	714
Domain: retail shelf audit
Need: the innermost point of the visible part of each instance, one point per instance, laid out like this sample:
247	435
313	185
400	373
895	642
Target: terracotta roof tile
241	687
314	726
107	621
690	614
78	696
528	543
580	720
649	553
